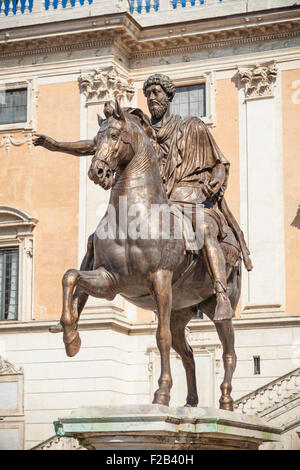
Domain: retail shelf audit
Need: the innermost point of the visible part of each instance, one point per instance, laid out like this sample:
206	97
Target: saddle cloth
192	218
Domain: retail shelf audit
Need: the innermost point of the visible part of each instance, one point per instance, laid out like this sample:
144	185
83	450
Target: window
16	264
13	106
18	102
256	360
9	277
190	101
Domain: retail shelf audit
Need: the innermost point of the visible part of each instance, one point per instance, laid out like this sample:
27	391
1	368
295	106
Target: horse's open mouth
106	178
102	175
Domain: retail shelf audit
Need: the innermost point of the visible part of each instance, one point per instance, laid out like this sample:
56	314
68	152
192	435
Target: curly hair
164	81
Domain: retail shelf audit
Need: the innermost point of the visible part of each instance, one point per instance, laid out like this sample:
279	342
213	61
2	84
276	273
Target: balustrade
15	7
141	6
23	7
146	6
271	394
192	3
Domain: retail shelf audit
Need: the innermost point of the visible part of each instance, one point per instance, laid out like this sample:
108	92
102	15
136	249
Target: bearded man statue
195	171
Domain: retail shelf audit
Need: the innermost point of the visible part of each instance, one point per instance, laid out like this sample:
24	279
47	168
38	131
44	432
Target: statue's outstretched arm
79	148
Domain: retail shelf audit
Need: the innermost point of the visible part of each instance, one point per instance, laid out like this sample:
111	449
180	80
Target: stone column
261	187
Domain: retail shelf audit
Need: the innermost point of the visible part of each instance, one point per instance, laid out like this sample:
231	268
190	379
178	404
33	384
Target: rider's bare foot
56	328
73	347
223	309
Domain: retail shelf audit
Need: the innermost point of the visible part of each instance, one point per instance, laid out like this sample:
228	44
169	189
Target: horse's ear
119	113
100	120
108	110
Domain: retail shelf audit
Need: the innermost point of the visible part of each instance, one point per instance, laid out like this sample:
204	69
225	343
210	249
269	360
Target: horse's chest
124	254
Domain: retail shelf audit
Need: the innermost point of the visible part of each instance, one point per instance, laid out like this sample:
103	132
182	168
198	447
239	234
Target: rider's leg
80	297
217	269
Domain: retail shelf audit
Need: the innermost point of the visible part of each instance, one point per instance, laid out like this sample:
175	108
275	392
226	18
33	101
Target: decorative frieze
7	140
105	85
259	80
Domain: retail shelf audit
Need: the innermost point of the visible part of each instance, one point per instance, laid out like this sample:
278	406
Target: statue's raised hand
45	141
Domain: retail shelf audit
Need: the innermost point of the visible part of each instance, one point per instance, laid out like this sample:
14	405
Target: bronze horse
153	273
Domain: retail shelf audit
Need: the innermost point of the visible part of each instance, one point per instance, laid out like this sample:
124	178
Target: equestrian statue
170	163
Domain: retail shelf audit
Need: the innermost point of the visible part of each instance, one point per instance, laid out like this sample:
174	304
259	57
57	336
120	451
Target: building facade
236	64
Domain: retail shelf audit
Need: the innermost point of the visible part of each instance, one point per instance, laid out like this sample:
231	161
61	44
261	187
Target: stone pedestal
152	427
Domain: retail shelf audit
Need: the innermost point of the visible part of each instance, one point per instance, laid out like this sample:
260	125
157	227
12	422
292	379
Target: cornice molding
134	42
163	51
111	320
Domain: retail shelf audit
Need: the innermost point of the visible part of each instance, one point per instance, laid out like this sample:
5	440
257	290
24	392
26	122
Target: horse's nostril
100	171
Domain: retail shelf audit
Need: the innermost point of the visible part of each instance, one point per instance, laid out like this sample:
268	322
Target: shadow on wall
296	221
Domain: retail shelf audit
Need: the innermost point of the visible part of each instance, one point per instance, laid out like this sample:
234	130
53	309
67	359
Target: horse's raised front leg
162	293
226	335
98	283
80	297
179	320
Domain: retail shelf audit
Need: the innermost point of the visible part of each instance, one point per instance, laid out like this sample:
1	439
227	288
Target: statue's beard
158	110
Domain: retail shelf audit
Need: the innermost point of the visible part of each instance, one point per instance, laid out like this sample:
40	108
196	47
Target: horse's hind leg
179	320
161	288
226	334
98	283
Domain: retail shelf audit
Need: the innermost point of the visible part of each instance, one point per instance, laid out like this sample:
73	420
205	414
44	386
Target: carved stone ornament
105	85
7	368
60	443
7	140
259	80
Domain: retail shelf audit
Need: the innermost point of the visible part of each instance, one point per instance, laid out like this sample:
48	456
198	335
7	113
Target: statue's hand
211	189
45	141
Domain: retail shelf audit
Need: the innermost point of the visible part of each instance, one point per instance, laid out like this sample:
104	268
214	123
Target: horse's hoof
161	399
73	347
56	328
226	404
191	405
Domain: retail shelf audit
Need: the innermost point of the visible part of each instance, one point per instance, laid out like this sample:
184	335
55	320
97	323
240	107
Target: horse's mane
135	115
140	118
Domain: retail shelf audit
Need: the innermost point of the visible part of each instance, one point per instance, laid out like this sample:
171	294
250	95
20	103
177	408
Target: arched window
16	264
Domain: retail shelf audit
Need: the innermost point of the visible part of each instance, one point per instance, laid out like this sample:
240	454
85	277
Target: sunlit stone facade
72	57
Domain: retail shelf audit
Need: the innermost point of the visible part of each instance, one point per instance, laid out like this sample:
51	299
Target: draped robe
188	154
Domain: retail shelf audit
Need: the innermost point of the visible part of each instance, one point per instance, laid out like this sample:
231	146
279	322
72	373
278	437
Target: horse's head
117	142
